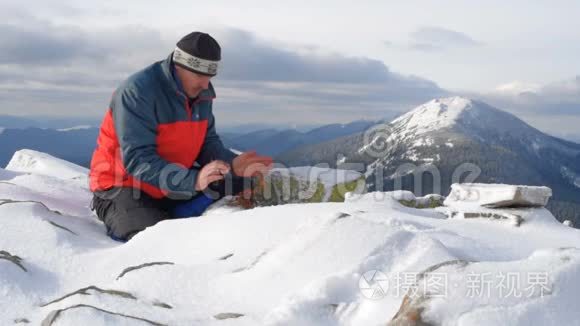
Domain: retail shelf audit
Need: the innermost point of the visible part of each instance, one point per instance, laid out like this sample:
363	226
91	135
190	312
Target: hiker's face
192	83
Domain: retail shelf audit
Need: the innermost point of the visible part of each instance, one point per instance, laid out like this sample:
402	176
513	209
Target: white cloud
553	108
432	38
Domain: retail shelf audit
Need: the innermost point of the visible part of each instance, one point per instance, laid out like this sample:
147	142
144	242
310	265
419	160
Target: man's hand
211	172
250	164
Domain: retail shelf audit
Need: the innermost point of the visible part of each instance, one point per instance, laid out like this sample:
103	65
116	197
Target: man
158	153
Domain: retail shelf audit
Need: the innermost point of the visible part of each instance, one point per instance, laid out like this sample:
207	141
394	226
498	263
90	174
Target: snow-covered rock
307	184
513	203
350	263
497	195
29	161
329	177
409	199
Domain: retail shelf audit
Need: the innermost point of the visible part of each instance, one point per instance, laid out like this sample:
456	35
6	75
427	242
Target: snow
414	129
443	121
81	127
1	130
433	115
402	195
423	142
297	264
5	174
572	177
412	155
30	161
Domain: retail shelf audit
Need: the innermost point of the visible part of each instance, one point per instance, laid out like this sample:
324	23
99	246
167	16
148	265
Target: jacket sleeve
136	128
213	148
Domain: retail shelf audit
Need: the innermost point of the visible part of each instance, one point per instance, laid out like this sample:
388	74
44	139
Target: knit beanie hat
198	52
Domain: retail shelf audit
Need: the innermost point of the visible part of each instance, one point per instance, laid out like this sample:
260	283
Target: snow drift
367	261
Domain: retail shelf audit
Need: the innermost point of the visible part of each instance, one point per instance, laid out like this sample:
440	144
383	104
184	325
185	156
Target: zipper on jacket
187	107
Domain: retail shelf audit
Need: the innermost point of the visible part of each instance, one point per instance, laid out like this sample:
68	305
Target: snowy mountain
367	261
451	134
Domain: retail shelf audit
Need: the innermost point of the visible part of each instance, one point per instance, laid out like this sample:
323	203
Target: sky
301	62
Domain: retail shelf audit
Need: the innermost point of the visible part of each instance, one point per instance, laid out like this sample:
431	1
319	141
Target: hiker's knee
125	215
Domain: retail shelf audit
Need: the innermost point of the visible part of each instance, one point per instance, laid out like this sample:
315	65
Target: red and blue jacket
153	135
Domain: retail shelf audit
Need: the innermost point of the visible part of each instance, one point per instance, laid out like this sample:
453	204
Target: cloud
41	43
70	70
557	98
37	45
253	59
431	38
263	82
424	47
517	88
553	108
304	102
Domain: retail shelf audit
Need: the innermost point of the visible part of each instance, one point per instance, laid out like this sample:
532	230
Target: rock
160	304
133	268
21	321
409	313
226	257
55	315
279	188
515	219
342	215
497	195
227	315
252	264
407	198
416	299
5	255
10	201
62	227
85	291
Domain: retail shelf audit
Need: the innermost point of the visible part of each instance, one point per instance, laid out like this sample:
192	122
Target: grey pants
128	211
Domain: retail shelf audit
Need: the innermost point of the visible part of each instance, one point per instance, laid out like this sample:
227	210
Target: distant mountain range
76	144
273	142
448	134
46	122
452	132
73	144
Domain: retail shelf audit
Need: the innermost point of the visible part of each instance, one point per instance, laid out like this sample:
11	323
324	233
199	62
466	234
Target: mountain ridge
444	135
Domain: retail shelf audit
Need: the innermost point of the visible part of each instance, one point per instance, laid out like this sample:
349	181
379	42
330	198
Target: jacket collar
167	67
